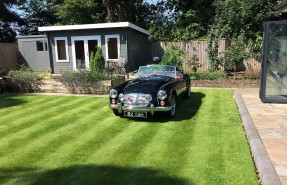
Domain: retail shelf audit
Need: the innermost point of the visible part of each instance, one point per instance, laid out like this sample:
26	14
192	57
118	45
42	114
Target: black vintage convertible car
156	88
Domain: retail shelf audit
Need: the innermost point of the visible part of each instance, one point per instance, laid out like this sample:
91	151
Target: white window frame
42	41
56	49
118	46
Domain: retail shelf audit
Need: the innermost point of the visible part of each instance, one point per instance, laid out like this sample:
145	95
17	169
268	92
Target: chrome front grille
135	99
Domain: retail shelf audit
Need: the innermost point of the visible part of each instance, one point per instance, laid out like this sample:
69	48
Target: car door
180	85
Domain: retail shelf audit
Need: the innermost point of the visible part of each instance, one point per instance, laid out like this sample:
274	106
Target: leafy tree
182	19
95	11
39	13
234	18
138	12
110	6
236	53
135	11
7	34
81	12
173	56
192	18
159	22
8	17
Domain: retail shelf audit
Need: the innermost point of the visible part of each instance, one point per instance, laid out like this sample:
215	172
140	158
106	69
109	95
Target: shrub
194	63
235	54
173	56
94	76
25	80
207	76
97	60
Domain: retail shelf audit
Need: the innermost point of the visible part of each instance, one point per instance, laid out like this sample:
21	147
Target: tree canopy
233	17
8	18
38	13
81	12
168	20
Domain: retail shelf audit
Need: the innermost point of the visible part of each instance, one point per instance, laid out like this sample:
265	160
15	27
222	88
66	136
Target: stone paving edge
265	168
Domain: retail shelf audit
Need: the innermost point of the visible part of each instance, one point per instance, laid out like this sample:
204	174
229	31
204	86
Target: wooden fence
9	56
198	48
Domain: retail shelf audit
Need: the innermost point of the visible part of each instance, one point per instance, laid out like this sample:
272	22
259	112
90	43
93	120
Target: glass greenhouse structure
273	87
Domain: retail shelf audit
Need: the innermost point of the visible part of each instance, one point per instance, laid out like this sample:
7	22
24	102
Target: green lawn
78	140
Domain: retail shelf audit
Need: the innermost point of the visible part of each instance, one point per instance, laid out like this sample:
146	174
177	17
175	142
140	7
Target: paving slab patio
270	121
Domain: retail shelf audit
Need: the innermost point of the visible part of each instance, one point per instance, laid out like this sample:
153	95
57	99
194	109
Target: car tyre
116	112
172	111
1	89
187	91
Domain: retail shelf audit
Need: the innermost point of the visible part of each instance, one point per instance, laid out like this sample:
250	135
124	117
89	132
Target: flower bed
23	80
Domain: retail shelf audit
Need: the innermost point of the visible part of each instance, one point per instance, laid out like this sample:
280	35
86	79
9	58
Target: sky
151	1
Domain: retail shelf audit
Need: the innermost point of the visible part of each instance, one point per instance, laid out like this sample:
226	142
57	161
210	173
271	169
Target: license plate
136	114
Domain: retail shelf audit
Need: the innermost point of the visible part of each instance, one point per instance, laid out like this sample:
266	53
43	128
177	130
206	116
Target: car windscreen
163	70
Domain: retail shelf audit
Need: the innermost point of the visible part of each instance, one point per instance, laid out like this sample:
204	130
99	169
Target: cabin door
82	47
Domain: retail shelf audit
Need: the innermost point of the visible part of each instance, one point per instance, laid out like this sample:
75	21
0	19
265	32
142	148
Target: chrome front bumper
152	109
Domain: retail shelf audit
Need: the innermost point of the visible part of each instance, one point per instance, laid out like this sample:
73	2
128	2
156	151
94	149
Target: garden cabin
34	52
69	47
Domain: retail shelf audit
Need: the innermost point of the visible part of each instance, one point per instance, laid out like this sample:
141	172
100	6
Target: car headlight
161	95
148	97
113	93
121	97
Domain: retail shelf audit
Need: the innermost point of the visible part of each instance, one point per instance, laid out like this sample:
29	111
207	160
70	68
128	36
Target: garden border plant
25	80
173	56
84	81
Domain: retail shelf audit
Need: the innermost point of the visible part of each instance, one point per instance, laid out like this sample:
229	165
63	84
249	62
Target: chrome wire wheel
173	106
187	92
172	111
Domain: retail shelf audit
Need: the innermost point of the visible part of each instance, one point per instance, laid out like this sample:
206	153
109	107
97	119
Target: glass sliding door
92	47
82	47
80	54
274	66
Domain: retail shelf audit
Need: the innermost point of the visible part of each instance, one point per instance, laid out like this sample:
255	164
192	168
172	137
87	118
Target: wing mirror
185	77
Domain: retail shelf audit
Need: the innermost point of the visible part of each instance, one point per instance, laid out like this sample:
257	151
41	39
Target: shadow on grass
10	101
186	109
89	174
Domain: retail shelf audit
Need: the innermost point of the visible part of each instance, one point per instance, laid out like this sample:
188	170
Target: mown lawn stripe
104	154
37	129
59	124
27	108
118	150
33	115
82	145
14	103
